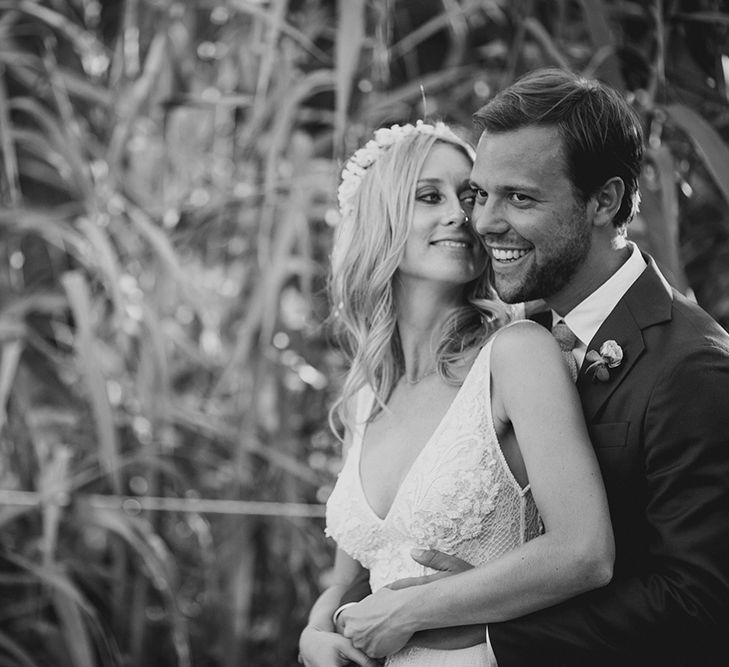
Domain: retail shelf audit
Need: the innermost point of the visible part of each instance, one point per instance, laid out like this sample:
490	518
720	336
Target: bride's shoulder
519	332
509	339
522	342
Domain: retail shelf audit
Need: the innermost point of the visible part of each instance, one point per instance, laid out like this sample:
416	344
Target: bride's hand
435	560
379	625
319	648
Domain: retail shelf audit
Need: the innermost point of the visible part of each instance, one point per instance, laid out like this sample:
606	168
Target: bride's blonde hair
368	248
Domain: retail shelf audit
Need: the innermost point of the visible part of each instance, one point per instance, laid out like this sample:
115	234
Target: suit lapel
622	328
647	302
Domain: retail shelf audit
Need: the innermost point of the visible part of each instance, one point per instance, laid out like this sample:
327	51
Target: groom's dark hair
601	134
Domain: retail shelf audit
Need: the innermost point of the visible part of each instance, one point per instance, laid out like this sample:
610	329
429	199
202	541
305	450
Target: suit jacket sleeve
358	589
670	609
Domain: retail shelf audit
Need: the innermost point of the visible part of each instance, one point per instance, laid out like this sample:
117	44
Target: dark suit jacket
660	428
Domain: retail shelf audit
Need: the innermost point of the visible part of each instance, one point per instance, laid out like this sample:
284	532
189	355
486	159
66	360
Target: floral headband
365	157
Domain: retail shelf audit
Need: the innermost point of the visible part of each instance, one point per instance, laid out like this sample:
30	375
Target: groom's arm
443	639
358	589
673	608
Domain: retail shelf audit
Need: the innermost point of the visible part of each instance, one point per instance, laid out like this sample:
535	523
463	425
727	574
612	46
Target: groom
556	183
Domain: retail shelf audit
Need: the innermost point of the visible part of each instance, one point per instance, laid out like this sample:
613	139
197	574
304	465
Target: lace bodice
459	497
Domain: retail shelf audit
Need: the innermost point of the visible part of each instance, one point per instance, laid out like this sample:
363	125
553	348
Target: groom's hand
435	560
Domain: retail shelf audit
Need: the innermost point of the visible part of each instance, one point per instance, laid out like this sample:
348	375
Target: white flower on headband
365	157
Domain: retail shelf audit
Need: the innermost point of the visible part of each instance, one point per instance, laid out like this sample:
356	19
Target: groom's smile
507	255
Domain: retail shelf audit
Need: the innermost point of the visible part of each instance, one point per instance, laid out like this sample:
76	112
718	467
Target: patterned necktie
567	341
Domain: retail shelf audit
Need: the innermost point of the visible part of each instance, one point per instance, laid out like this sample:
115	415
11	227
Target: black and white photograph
385	333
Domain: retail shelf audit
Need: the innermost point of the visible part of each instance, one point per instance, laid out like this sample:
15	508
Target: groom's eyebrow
505	188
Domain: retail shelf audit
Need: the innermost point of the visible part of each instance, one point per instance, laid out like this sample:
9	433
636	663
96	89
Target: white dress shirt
588	316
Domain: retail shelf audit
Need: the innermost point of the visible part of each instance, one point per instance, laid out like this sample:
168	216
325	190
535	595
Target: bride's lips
458	243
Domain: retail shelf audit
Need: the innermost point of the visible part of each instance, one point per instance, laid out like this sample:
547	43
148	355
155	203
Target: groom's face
528	213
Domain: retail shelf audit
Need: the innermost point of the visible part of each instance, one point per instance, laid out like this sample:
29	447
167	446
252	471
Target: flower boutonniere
609	356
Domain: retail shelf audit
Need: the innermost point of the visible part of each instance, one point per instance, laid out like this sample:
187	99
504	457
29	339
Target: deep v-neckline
419	455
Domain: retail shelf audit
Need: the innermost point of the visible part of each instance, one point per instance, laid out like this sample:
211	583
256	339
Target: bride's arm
319	644
345	571
532	389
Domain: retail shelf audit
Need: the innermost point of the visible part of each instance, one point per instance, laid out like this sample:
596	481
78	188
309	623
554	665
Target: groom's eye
467	197
520	198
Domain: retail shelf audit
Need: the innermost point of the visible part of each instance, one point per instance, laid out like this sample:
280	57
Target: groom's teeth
507	255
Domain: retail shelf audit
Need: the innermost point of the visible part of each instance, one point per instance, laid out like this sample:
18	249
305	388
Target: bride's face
442	246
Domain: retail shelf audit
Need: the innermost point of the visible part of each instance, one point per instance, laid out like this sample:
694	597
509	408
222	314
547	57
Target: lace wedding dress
459	497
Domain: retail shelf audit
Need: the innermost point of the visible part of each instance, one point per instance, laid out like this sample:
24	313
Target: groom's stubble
553	268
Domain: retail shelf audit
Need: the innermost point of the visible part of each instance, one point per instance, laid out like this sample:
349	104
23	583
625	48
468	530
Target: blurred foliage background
167	200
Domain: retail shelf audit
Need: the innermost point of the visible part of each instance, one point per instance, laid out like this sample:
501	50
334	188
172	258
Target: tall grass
167	185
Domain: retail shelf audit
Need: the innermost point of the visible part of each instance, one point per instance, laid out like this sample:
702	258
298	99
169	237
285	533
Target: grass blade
269	57
82	40
106	260
539	33
251	9
11	352
160	243
133	100
350	38
596	18
707	141
457	14
80	300
22	657
10	160
53	579
655	228
74	631
53	483
712	18
145	543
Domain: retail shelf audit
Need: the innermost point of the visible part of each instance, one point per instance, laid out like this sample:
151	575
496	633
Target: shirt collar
587	316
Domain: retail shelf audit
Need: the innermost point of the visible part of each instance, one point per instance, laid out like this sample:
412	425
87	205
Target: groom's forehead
527	139
529	152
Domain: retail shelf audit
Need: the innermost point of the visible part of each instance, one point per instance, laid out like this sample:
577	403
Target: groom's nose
488	219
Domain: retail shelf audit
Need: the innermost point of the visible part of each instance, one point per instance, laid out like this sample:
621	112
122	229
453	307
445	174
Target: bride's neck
419	318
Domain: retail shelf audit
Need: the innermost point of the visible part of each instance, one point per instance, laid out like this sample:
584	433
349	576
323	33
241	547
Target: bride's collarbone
415	407
398	433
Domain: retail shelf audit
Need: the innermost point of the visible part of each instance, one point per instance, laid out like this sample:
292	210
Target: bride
462	433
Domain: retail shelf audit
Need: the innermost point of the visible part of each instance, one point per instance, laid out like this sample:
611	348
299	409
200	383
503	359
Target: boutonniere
609	356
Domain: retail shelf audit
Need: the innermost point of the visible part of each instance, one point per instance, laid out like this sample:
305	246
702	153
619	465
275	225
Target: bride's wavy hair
368	249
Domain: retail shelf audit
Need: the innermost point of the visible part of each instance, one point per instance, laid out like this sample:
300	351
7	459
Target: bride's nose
458	217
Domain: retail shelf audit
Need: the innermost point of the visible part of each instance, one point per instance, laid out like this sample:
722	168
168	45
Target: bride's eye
430	197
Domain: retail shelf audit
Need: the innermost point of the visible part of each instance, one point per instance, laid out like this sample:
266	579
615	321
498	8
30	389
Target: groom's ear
607	200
